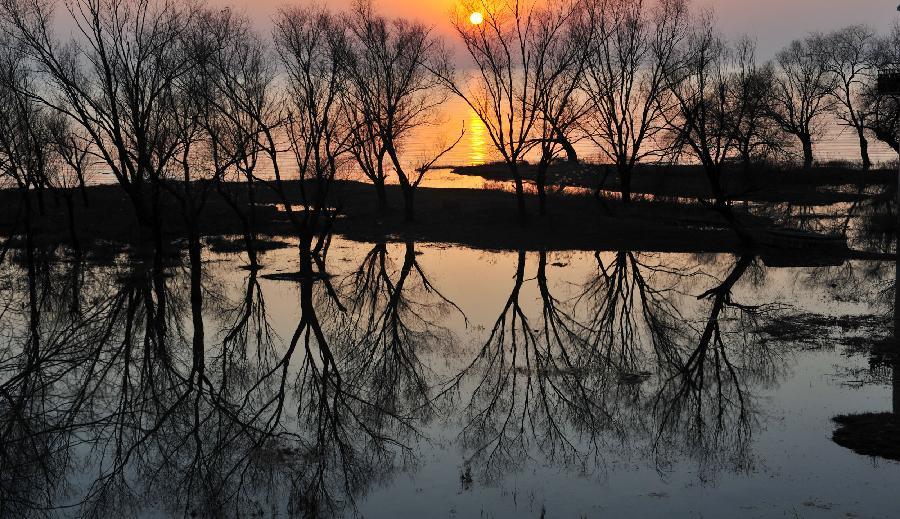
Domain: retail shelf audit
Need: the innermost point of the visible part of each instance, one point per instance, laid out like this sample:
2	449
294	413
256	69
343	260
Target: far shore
821	185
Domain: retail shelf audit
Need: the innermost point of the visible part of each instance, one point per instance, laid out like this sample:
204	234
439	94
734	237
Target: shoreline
479	218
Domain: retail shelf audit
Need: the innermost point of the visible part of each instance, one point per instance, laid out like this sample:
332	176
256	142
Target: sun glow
476	18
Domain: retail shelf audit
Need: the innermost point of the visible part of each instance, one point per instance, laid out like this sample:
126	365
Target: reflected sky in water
402	383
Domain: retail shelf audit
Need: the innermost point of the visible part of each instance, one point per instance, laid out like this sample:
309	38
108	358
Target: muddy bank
478	218
869	434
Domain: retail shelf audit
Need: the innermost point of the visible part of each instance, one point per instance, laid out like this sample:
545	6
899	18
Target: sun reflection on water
477	139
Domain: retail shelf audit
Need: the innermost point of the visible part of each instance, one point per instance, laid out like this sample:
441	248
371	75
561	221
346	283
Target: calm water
425	380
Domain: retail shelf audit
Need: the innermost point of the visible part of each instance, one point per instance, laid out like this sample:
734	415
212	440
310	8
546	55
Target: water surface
430	380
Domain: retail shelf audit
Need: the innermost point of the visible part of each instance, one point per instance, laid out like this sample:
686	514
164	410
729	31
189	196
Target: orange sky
773	22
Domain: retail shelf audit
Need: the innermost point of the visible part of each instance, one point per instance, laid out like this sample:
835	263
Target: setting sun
476	18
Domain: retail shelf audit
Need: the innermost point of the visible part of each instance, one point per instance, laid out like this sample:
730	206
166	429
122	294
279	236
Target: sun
476	18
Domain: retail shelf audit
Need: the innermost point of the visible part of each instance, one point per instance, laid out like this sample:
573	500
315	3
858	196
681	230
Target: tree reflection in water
151	384
618	367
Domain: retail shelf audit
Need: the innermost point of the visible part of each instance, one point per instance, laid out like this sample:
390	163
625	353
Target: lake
431	380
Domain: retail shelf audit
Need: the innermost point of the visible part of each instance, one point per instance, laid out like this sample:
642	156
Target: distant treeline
180	99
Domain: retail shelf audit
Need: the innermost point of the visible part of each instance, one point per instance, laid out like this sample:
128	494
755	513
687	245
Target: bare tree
25	134
850	60
69	167
508	49
756	134
625	80
240	110
884	117
312	44
76	151
114	80
195	172
697	79
568	41
394	68
369	152
800	96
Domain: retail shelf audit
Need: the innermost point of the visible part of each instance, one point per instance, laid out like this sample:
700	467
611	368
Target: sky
774	23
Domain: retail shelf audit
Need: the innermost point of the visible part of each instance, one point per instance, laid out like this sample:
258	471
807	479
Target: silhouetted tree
67	167
75	150
883	117
756	135
883	111
801	93
625	80
510	50
558	77
394	68
850	60
115	80
706	109
240	113
26	141
312	44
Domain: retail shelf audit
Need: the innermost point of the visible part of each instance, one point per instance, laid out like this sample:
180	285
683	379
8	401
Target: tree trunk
250	225
198	342
520	191
742	233
541	181
408	200
409	261
324	234
405	184
34	316
571	154
247	219
714	175
746	157
70	210
864	150
806	141
39	189
250	244
83	188
143	214
381	192
159	280
306	256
